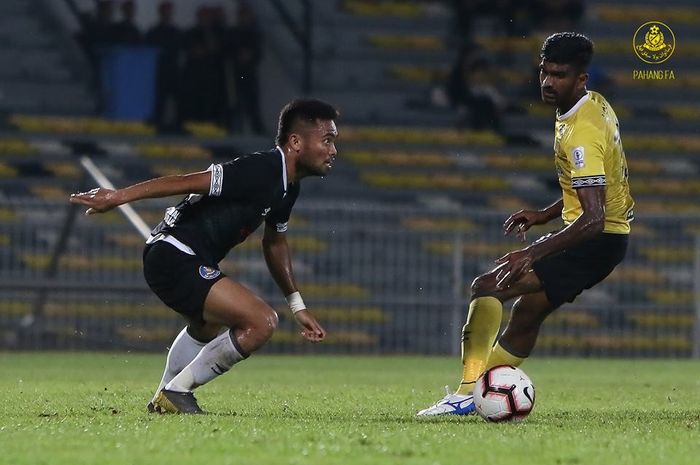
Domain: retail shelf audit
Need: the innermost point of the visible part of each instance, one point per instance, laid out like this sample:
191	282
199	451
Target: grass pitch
89	409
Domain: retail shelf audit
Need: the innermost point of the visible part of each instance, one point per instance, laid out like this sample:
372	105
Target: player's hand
311	329
98	200
522	221
512	266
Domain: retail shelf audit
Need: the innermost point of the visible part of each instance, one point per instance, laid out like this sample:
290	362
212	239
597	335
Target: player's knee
482	286
266	323
272	320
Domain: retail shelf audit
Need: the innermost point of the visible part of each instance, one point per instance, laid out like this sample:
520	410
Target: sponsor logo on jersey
207	272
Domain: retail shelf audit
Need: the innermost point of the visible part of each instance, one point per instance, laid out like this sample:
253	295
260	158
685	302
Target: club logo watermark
654	42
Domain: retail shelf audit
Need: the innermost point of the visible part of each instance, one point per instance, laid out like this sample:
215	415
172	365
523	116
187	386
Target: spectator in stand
98	30
203	84
126	31
245	47
470	89
222	31
168	39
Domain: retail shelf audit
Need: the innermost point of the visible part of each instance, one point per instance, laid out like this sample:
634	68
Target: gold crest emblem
654	42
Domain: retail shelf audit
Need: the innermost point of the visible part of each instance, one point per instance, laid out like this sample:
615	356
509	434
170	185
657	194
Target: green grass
89	409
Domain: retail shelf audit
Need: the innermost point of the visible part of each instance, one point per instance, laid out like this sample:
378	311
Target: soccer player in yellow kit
596	208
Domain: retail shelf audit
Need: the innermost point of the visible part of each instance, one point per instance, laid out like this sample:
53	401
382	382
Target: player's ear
295	141
582	80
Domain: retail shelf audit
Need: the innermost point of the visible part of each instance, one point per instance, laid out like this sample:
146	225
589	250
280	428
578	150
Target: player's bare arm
525	219
100	200
514	265
279	263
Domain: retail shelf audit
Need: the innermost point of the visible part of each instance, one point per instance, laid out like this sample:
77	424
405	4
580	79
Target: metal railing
382	279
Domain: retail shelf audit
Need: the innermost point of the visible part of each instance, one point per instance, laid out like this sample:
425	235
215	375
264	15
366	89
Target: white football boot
451	404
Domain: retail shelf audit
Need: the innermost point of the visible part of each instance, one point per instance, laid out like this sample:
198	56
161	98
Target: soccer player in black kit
224	204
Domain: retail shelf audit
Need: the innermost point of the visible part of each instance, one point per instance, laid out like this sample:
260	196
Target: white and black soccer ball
504	393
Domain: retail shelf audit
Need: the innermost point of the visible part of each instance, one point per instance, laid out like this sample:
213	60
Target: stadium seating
411	212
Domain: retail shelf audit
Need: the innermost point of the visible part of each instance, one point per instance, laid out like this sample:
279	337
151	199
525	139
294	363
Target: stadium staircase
41	70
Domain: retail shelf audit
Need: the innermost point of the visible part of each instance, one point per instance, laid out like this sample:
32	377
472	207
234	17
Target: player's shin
478	336
215	359
182	351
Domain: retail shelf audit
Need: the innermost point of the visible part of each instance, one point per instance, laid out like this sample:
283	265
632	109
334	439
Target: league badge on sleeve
578	157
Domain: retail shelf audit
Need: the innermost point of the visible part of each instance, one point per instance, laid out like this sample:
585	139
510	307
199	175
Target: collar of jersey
574	109
284	170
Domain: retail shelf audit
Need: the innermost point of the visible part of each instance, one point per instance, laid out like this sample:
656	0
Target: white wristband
295	302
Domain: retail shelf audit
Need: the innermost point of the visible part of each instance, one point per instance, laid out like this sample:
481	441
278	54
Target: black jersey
243	193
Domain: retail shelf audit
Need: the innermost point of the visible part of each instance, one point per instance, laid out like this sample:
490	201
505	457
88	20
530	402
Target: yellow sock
478	335
500	356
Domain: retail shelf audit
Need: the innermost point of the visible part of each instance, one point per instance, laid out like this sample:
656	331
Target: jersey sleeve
244	178
278	217
585	150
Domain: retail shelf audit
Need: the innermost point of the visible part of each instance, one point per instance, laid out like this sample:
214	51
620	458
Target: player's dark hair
568	48
302	111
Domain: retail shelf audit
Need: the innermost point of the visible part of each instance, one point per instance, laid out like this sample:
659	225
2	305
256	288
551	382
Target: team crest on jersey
577	153
207	272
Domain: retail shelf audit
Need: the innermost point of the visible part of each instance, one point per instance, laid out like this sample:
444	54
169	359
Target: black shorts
566	274
180	280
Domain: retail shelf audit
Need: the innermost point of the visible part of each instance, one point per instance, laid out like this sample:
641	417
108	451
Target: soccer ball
504	393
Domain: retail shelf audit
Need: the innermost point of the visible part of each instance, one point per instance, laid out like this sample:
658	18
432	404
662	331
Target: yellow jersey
588	152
